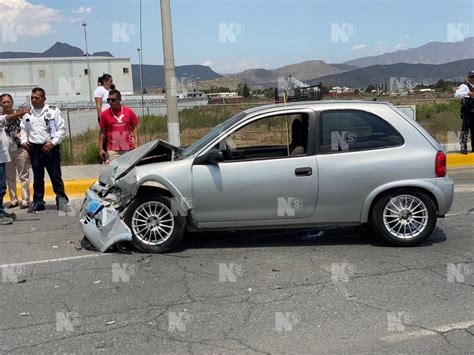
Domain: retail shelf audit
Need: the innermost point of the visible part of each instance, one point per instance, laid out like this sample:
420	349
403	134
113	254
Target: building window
86	71
42	73
125	70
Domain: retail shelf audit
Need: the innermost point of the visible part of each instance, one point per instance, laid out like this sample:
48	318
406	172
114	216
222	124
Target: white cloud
29	20
407	36
400	46
82	10
229	68
358	47
207	63
381	48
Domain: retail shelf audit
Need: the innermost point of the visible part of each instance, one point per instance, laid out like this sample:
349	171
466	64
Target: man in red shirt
119	124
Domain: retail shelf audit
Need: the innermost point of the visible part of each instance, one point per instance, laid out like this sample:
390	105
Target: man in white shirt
5	158
42	131
465	92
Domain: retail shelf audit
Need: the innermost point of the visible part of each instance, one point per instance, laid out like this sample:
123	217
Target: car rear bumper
444	194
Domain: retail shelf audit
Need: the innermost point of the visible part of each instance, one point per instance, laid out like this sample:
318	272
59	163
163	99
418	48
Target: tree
245	92
240	89
370	88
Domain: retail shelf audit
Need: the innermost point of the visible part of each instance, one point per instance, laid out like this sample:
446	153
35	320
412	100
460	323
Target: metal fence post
70	135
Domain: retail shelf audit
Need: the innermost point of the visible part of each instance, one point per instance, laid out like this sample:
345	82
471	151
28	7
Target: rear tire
404	217
154	227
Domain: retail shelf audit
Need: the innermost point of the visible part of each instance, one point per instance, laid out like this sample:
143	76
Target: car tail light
440	164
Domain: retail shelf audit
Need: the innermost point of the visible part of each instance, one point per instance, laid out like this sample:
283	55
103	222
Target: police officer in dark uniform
42	131
465	92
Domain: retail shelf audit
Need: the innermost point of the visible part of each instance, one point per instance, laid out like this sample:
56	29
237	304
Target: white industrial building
63	79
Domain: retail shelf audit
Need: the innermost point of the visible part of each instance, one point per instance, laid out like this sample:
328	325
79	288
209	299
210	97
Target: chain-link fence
196	119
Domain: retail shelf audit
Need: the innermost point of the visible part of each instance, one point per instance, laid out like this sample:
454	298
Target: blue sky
231	36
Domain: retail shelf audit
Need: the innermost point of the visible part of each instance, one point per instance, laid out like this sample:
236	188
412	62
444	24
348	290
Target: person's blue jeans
3	187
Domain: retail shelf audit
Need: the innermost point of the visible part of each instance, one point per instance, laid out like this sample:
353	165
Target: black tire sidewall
179	225
380	229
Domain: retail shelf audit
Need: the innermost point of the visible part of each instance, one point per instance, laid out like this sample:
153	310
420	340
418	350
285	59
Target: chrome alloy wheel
152	223
405	216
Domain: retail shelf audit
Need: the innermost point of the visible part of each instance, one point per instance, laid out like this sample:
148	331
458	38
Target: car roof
309	104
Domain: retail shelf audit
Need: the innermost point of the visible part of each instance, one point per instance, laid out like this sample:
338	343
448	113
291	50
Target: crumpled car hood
151	152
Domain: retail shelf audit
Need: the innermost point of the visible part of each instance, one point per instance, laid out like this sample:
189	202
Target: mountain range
430	53
400	72
58	49
432	61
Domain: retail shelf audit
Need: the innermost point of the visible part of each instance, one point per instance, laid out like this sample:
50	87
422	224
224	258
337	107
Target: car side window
279	136
354	130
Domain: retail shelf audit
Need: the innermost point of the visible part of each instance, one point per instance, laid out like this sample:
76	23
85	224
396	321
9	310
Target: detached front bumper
101	223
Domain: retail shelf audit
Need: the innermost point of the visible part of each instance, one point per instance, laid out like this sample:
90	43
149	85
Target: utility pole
84	24
170	76
140	54
141	80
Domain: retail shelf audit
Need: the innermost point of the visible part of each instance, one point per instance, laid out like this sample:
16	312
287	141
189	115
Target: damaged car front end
102	212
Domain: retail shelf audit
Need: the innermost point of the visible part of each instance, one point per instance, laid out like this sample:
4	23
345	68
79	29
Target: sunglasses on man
112	100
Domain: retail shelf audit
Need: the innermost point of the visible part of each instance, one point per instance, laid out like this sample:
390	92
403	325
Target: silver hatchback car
304	164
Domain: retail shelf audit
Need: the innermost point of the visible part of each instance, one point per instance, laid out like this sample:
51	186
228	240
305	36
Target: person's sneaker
4	220
12	205
24	206
463	148
35	207
10	215
63	207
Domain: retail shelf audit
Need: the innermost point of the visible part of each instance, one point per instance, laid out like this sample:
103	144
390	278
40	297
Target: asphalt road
321	291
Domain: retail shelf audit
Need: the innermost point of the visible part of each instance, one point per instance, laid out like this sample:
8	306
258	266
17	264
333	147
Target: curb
458	159
75	189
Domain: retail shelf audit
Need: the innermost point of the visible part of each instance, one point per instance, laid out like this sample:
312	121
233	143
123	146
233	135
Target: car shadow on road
293	238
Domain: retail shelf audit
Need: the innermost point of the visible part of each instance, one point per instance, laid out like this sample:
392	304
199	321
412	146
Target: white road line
464	189
398	337
53	260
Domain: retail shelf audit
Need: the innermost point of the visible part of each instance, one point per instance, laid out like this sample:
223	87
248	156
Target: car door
260	179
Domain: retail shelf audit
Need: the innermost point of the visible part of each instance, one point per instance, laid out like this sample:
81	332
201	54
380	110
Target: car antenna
376	97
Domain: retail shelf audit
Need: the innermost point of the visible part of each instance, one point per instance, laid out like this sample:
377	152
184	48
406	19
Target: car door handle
307	171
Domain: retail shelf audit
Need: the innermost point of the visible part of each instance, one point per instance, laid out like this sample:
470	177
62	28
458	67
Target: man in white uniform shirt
5	218
465	92
42	130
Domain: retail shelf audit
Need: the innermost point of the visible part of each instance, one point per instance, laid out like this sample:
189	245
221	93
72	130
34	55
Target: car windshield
215	132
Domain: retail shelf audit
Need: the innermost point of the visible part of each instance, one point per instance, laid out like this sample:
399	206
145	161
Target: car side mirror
214	156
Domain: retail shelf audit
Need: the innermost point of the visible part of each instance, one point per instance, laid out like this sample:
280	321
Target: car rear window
354	130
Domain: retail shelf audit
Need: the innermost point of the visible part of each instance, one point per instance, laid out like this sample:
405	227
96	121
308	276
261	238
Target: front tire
155	229
404	218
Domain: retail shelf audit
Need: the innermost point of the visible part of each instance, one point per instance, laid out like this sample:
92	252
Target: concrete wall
63	77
